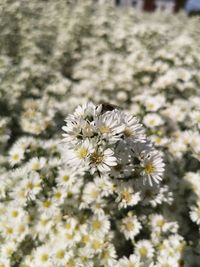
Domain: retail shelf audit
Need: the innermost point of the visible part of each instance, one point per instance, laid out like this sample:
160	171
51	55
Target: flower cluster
98	197
110	143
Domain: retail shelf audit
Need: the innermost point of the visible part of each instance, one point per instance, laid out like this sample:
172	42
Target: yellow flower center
82	152
14	213
129	226
30	185
47	204
149	168
60	254
44	222
160	223
35	166
106	255
57	195
126	196
65	178
104	129
96	225
128	132
15	157
85	239
94	194
9	230
143	251
96	245
67	226
97	157
70	264
44	257
150	105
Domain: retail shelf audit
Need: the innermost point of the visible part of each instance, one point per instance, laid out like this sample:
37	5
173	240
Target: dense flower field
99	136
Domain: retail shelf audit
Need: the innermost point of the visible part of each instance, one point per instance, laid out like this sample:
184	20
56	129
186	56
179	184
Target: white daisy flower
99	225
36	164
153	120
109	126
130	227
195	214
126	195
79	154
132	261
153	167
42	256
133	130
144	249
102	160
16	155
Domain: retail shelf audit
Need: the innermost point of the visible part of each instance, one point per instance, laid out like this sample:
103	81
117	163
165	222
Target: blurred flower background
56	55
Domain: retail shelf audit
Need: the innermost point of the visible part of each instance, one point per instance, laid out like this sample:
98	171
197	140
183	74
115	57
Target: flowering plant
100	196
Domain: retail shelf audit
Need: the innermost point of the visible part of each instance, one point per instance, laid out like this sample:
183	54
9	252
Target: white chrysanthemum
99	226
126	195
130	227
42	256
154	103
144	249
65	178
109	126
133	130
132	261
105	184
108	256
195	214
79	154
102	160
91	193
60	254
16	155
36	164
167	261
32	185
153	120
48	206
153	167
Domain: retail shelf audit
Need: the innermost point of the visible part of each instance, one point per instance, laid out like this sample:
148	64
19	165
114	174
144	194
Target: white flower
109	126
102	160
132	261
91	193
65	178
144	249
36	164
32	185
153	167
130	226
133	130
16	155
79	154
126	195
195	214
153	120
42	256
105	185
99	225
108	256
154	103
48	207
167	261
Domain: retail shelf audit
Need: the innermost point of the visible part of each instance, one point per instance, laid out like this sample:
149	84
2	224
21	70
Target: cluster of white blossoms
98	197
110	143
